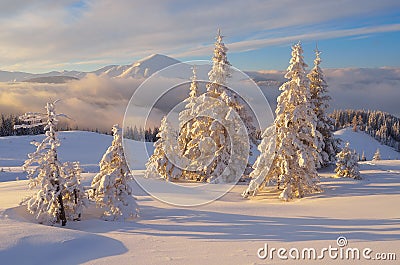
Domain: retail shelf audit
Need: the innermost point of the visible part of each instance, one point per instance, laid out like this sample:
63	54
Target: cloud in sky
92	102
351	88
100	102
69	34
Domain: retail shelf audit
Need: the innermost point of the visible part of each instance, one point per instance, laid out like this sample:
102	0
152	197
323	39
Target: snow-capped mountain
142	68
139	69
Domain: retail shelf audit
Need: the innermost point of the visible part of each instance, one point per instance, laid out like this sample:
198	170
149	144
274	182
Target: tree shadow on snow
373	183
211	225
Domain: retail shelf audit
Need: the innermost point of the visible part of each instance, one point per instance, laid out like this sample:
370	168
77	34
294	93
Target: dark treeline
381	125
7	127
147	135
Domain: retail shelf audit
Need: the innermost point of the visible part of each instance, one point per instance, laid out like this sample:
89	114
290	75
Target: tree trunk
62	210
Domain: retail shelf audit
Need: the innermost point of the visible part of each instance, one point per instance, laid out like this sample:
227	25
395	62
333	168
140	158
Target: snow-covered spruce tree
186	118
188	145
377	155
74	195
218	77
363	158
110	186
264	171
325	125
347	164
221	148
204	137
55	191
296	135
163	160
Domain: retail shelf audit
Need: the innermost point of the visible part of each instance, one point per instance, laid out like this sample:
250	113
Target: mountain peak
146	66
156	58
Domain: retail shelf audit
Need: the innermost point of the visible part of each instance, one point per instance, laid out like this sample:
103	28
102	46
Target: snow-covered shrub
110	186
159	164
377	155
347	164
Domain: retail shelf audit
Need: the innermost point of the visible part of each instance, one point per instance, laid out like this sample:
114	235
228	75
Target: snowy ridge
148	66
362	142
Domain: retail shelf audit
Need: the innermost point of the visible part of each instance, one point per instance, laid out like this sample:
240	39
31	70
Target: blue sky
44	35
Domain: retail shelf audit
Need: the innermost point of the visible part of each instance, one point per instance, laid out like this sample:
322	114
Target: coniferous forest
383	126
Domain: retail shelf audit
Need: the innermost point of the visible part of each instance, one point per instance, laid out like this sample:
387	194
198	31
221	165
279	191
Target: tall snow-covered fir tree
205	131
377	155
218	86
59	196
110	186
293	167
347	164
220	71
186	118
163	162
325	125
224	146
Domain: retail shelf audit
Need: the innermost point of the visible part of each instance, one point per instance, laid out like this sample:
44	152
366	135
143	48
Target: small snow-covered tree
74	195
296	153
263	167
363	158
377	155
162	162
110	186
55	199
319	98
347	164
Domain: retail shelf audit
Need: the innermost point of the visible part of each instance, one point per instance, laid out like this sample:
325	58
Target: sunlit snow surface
227	231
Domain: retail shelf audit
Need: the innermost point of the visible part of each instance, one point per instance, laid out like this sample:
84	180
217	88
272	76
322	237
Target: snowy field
228	231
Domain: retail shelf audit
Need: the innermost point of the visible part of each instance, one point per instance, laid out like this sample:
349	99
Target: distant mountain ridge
139	69
57	79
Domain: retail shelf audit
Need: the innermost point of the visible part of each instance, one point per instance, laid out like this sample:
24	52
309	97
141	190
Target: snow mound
30	243
362	142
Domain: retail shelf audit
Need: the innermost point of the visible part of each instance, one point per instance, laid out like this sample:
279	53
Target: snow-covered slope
227	231
362	142
144	67
85	147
